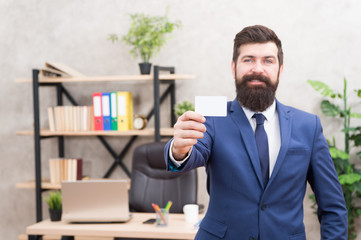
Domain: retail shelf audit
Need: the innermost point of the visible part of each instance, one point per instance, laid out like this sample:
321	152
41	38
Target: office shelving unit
58	83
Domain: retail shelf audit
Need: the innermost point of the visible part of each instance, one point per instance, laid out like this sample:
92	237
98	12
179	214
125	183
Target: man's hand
188	128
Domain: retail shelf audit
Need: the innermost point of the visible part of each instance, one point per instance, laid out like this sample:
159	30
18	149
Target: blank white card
211	105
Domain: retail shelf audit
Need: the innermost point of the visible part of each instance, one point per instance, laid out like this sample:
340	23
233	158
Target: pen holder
162	218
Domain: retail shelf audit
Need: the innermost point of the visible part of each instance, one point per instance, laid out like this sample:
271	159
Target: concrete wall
321	41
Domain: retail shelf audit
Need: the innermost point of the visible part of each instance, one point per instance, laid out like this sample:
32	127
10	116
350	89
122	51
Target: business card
211	105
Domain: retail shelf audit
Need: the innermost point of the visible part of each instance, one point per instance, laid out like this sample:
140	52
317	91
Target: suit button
263	207
252	238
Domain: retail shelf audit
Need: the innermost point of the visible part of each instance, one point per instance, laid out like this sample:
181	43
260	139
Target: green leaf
335	153
358	91
324	89
314	203
312	197
357	139
355	115
358	188
329	109
183	107
113	37
54	200
349	178
349	130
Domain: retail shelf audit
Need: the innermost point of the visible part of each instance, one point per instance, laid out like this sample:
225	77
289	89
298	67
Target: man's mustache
258	77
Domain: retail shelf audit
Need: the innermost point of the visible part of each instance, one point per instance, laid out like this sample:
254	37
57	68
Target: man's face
256	75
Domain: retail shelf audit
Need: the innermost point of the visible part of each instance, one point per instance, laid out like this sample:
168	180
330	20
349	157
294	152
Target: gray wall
321	41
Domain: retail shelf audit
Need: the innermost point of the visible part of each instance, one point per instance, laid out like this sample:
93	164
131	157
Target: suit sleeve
200	152
332	213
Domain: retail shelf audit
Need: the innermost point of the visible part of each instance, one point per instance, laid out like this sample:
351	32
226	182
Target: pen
167	207
157	209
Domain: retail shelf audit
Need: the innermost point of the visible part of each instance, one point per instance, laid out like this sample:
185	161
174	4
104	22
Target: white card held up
211	105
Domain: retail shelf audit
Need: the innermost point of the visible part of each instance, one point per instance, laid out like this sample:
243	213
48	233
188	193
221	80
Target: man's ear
233	66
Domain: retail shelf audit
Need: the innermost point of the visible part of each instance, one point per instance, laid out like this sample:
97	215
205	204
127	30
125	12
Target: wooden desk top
176	229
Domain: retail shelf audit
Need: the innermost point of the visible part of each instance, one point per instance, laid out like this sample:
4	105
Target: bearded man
259	157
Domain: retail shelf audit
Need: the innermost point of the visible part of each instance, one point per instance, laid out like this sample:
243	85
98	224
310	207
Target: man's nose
257	67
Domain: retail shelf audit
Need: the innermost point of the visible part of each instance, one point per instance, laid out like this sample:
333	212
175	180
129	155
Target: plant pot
145	67
55	215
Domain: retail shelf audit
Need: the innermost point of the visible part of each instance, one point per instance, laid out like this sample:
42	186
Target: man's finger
188	134
183	145
190	125
190	115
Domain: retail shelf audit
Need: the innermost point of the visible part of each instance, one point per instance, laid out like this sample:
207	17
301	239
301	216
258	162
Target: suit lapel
285	129
245	129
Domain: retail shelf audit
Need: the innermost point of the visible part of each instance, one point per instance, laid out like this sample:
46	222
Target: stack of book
70	118
110	110
57	69
65	169
113	111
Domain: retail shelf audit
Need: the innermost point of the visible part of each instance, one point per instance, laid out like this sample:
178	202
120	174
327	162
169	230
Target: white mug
191	213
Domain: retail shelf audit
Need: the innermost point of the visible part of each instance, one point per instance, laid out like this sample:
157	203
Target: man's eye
268	61
247	60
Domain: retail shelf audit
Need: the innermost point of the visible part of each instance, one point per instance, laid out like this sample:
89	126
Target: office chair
152	183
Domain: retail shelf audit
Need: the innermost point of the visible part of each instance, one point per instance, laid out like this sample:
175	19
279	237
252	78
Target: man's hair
256	34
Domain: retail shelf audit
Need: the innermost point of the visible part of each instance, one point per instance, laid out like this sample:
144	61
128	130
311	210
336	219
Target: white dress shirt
271	126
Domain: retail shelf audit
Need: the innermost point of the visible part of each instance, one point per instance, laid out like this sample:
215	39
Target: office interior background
321	41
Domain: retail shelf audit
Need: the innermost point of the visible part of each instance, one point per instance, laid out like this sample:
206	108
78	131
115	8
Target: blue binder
106	111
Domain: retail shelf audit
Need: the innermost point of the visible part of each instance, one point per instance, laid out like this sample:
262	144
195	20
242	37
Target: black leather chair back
152	183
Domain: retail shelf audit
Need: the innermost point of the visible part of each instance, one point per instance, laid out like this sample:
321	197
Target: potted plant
147	34
344	160
54	203
183	107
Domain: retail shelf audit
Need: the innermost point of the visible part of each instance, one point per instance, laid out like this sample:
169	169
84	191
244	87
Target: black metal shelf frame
118	158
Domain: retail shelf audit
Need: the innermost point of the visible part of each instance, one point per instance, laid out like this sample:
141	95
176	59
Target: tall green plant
147	34
349	176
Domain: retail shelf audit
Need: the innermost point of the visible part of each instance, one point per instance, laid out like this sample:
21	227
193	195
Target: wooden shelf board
58	237
144	132
108	78
45	184
46	237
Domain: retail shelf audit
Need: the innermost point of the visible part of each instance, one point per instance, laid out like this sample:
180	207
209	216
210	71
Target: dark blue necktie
262	146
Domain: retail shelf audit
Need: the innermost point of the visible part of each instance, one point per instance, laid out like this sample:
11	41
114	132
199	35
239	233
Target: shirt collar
269	113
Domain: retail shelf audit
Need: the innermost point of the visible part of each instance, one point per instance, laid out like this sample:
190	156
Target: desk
176	229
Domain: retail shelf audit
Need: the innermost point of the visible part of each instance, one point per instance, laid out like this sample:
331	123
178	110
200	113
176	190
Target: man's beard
255	98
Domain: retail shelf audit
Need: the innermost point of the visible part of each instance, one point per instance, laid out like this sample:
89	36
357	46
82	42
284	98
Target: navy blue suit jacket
239	206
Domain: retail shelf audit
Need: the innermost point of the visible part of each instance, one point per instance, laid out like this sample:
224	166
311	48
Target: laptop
95	201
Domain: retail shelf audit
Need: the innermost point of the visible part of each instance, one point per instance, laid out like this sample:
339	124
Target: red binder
97	105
